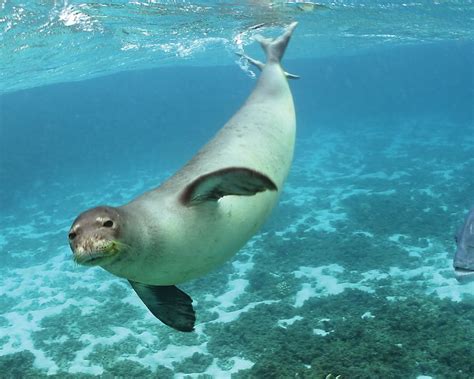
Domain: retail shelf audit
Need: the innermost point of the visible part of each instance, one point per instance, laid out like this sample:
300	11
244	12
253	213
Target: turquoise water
352	275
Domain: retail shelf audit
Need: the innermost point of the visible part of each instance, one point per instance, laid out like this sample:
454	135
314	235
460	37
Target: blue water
352	274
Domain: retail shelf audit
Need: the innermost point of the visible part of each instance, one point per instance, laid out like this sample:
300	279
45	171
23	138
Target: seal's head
95	236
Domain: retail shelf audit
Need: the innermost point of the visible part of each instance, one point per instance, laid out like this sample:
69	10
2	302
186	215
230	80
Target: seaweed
404	338
18	365
196	363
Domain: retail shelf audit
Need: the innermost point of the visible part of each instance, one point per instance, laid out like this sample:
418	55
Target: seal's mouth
99	255
91	258
464	275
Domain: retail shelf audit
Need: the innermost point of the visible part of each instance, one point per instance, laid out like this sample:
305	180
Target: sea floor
352	275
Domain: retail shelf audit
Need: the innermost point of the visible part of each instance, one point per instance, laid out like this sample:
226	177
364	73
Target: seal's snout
94	237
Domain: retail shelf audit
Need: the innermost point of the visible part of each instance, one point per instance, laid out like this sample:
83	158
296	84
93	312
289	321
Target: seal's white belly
212	236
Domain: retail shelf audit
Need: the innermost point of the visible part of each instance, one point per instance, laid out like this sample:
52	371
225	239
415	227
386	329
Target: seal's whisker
121	245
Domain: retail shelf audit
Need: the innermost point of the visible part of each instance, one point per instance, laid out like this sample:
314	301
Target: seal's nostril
72	235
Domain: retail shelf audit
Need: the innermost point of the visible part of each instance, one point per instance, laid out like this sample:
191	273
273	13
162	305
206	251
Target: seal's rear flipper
274	49
261	65
227	181
169	304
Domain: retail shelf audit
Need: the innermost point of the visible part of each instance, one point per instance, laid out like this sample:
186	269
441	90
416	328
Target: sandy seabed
352	275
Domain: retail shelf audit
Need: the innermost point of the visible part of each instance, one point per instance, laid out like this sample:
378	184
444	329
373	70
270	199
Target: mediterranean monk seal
208	210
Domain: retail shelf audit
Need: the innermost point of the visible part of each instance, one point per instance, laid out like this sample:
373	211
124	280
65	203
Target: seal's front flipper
169	304
227	181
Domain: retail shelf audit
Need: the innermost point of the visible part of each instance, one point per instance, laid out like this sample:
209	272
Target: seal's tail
274	49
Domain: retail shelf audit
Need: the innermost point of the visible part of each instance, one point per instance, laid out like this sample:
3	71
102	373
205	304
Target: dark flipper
227	181
169	304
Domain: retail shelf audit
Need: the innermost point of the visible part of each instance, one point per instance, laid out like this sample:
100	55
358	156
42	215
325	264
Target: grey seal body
464	258
208	210
259	137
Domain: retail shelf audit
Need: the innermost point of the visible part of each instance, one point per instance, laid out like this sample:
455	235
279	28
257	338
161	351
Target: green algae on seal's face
95	236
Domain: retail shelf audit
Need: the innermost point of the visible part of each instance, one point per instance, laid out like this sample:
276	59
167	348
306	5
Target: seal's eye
72	235
108	223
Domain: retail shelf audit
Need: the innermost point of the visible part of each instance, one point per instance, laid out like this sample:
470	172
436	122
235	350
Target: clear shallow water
56	41
352	274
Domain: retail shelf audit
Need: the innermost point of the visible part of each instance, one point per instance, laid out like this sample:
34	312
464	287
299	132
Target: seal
203	214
